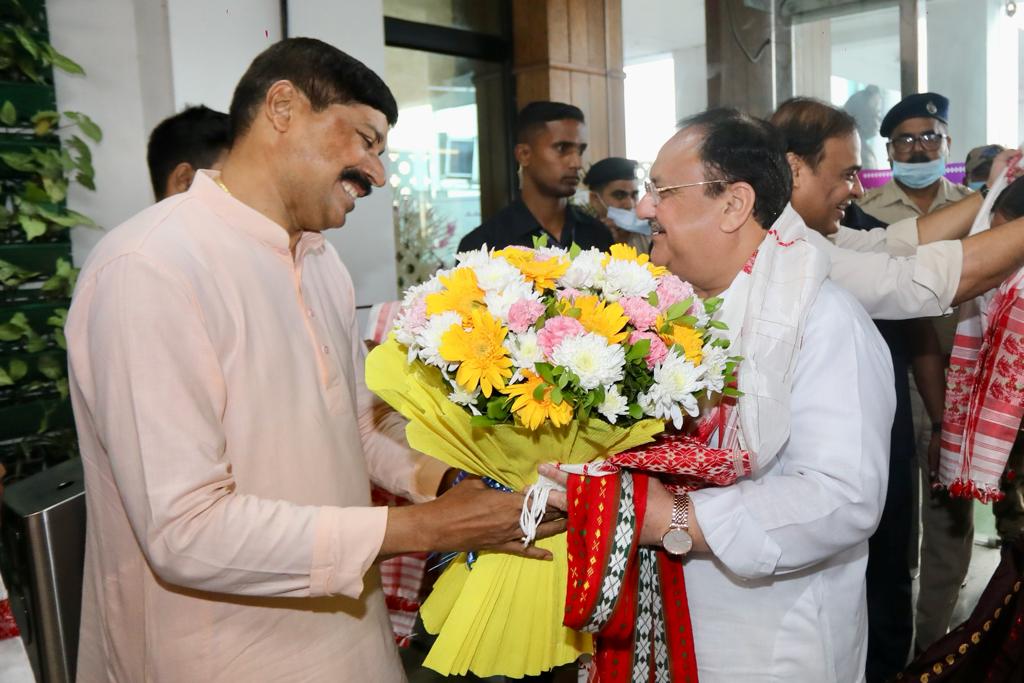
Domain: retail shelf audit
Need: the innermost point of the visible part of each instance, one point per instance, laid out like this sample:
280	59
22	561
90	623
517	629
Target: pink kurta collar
247	219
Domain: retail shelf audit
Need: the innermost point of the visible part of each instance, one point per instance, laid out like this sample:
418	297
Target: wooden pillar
571	51
749	59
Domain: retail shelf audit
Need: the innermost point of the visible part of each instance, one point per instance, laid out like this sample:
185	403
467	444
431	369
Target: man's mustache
359	179
918	158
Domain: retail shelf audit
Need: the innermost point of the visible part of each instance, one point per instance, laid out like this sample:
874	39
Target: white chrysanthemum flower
499	301
429	338
473	259
497	274
524	351
614	405
715	358
676	380
585	271
465	398
544	253
627	278
592	359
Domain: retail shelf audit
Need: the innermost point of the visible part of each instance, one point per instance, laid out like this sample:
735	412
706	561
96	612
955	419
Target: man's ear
797	167
739	206
522	154
180	179
280	104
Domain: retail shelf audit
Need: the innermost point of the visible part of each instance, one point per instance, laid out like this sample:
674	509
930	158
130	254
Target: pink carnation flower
671	290
555	330
416	315
641	314
569	293
658	350
524	313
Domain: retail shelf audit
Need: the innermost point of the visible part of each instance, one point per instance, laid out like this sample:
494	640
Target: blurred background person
613	196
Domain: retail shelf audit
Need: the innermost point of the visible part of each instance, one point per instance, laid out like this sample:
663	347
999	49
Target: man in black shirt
550	141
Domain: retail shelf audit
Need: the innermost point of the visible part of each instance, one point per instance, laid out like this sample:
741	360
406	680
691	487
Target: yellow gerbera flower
517	256
532	412
624	252
689	339
544	274
600	317
460	292
482	358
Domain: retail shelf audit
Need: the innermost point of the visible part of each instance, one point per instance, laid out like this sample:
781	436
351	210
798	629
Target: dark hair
534	115
806	123
609	170
197	135
740	148
1010	203
321	72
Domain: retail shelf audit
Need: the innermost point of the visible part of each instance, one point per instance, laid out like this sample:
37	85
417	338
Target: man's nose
374	169
858	187
645	208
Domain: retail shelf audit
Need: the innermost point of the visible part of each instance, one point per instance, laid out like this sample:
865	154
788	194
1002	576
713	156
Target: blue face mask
919	175
628	220
976	184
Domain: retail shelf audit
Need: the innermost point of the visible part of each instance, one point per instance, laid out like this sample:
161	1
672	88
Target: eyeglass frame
915	139
655	192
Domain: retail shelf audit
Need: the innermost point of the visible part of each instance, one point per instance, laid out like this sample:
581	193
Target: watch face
677	542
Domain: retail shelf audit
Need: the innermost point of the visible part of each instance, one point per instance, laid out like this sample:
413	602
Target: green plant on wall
44	151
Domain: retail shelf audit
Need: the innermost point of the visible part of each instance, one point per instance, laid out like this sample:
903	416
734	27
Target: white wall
367	241
212	44
144	60
123	47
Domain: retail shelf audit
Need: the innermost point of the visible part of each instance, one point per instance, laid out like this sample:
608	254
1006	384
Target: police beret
923	105
607	170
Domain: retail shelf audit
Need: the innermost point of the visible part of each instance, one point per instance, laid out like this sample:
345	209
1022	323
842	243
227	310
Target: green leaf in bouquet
652	299
635	411
8	114
482	421
556	396
497	408
729	391
545	372
574	312
720	343
87	125
712	304
717	325
538	392
563	380
639	350
540	241
678	309
688	320
574	250
33	227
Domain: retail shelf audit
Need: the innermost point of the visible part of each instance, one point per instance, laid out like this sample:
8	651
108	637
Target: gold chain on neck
223	186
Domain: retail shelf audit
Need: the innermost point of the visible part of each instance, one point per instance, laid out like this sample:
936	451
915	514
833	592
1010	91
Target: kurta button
325	349
310	313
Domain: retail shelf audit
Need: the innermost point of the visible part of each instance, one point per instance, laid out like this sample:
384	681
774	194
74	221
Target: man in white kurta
776	579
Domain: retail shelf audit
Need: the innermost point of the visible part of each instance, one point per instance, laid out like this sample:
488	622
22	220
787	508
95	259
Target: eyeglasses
930	141
655	192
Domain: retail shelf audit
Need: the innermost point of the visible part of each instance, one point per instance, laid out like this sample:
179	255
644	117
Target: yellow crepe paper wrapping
503	616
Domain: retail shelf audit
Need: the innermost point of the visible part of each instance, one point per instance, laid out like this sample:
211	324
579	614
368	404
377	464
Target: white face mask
626	219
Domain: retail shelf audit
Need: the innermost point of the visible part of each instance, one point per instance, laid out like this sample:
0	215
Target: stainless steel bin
43	553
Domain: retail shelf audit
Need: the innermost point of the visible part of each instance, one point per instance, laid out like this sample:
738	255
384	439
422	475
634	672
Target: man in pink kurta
227	436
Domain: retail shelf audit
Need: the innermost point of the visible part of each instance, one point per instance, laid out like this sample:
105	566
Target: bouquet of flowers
520	356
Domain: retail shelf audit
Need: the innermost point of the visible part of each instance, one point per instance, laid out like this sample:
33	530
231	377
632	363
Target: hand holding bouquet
521	356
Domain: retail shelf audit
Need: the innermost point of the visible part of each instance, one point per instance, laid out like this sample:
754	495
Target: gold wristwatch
677	540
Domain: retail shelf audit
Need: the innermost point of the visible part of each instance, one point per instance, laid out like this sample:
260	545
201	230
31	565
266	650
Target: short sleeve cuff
901	238
346	542
733	535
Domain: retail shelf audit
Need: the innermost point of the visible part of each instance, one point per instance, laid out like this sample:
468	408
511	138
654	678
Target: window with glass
448	155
